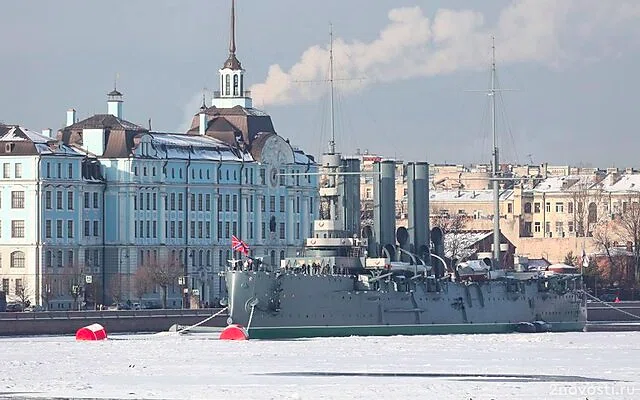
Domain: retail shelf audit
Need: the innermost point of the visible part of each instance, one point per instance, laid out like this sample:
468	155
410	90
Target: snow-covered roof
467	195
29	142
194	147
566	183
462	242
624	183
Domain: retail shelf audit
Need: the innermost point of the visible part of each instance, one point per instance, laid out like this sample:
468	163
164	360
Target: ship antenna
332	142
496	185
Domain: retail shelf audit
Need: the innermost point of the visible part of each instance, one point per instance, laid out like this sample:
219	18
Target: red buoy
91	332
234	332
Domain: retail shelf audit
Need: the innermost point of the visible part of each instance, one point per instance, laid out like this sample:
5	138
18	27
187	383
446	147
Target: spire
232	40
232	62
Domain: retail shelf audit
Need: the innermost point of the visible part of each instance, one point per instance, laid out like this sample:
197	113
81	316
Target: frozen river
164	366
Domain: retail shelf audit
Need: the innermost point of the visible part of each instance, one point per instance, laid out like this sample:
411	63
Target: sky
405	71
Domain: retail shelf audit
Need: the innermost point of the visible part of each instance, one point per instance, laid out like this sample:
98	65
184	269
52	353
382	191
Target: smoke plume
414	45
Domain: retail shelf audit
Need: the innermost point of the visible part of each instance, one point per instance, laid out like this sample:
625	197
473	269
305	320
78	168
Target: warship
380	280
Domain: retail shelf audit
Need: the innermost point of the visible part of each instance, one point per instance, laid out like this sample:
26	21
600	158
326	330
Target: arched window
273	257
17	259
241	85
227	86
48	259
200	257
208	257
281	254
593	213
235	85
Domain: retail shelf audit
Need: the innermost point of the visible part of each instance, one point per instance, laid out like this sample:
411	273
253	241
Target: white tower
114	103
232	91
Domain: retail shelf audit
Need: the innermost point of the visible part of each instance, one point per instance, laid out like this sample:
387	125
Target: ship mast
332	142
495	166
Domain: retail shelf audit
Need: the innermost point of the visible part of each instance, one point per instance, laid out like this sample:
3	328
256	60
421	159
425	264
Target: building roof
624	183
20	141
567	183
234	126
485	195
462	243
105	121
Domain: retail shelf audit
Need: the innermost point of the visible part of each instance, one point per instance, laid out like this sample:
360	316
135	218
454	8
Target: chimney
203	123
47	132
71	116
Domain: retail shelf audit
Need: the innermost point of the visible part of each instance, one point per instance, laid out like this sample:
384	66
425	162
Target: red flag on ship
239	245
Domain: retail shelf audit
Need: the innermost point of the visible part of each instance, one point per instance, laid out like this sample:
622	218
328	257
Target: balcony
217	94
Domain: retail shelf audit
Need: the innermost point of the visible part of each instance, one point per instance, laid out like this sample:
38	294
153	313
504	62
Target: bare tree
587	200
604	236
142	282
23	293
629	229
46	293
164	273
452	226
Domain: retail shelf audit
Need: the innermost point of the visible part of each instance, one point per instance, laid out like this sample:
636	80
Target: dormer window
8	147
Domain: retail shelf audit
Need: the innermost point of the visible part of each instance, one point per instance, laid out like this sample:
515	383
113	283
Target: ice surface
197	366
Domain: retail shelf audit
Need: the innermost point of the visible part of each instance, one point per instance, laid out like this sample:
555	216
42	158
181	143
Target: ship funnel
384	209
350	189
418	208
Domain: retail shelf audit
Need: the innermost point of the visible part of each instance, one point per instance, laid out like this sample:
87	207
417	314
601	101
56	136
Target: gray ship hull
289	305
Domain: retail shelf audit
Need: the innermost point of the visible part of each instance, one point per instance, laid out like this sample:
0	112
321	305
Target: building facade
108	198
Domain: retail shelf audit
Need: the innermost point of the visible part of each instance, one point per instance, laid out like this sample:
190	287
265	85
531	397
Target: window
155	229
282	230
193	229
59	170
263	176
95	199
570	225
48	170
47	228
207	229
17	199
59	259
570	208
559	228
200	229
547	207
180	229
592	216
87	230
86	200
199	201
263	230
59	200
6	170
95	228
527	208
17	260
70	200
536	227
179	201
17	229
282	204
173	201
5	285
70	257
19	286
547	227
272	203
536	207
219	229
70	170
155	201
227	85
207	202
47	200
527	228
59	229
227	228
235	85
235	202
173	229
70	228
226	202
48	258
18	170
509	208
193	201
559	207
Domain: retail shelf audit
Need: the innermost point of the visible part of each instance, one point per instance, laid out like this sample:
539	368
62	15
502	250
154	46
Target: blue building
141	202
